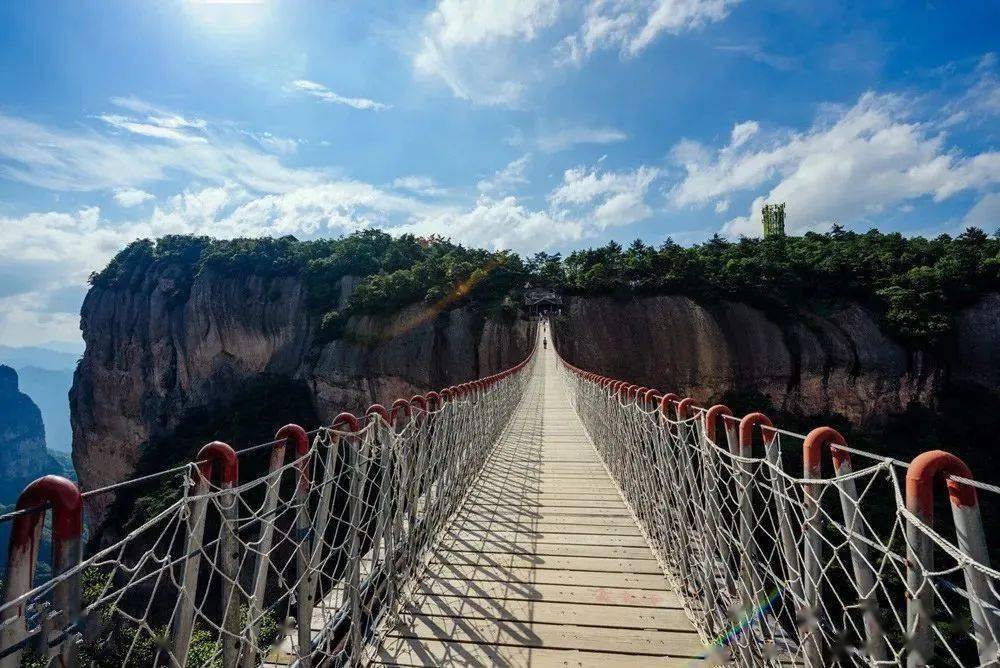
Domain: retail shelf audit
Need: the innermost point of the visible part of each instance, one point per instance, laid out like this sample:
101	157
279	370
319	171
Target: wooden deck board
504	591
540	538
528	577
426	652
487	545
558	563
520	610
544	564
553	636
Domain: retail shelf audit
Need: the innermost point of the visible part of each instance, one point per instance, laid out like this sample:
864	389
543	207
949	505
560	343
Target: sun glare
234	17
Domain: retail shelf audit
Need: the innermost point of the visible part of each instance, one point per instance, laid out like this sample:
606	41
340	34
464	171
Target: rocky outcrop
808	363
23	456
154	353
977	345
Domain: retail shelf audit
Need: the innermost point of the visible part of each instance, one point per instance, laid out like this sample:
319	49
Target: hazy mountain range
46	374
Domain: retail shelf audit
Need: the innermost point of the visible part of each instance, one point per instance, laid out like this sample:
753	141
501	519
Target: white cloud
82	160
129	197
488	51
507	178
722	206
582	186
981	98
622	209
332	208
276	143
149	129
630	26
156	122
500	223
472	46
157	115
472	22
744	131
563	139
985	213
321	92
421	185
604	199
52	252
869	157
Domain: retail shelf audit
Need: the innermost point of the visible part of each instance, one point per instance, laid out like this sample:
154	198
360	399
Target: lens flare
730	634
460	290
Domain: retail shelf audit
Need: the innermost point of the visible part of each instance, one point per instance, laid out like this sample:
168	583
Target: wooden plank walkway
543	565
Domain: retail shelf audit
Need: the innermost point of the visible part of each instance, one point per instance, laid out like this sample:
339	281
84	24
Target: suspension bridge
545	515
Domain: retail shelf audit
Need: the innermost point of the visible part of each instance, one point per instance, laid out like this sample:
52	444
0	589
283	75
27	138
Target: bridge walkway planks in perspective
543	565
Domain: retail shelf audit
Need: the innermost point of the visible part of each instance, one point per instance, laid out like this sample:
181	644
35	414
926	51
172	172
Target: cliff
158	359
23	456
807	363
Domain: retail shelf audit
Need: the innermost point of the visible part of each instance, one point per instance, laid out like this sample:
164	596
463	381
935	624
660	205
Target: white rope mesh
298	566
776	567
302	565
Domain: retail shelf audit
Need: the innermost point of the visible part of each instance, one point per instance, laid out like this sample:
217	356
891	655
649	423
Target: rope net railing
791	549
298	566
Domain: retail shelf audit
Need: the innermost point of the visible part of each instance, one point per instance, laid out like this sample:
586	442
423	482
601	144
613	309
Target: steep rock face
154	353
838	362
23	456
977	347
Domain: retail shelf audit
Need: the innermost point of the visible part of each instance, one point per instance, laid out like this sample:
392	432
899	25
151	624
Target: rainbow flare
751	616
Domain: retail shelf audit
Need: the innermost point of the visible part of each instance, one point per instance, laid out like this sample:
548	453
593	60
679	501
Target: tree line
914	285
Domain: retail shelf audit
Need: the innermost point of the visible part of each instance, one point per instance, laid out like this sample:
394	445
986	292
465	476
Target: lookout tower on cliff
774	220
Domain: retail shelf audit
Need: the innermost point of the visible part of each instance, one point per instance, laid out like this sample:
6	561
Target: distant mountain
72	347
43	358
46	374
23	456
50	390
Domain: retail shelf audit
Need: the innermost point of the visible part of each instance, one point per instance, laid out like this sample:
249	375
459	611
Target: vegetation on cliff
395	271
915	285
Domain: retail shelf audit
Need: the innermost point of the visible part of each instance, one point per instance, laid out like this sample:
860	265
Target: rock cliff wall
164	347
155	353
837	362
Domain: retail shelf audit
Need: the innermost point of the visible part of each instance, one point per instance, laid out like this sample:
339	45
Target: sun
234	17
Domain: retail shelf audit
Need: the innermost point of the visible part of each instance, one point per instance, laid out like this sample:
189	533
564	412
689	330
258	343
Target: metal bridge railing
297	566
779	563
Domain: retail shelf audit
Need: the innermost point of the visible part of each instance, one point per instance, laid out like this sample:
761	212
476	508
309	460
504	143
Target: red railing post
817	442
399	407
67	525
779	495
920	479
296	436
357	467
214	457
665	402
714	504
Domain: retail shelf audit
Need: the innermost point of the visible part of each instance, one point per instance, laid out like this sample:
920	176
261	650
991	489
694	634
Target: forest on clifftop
914	285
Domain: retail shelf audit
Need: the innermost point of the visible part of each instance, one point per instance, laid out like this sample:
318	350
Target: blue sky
526	124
